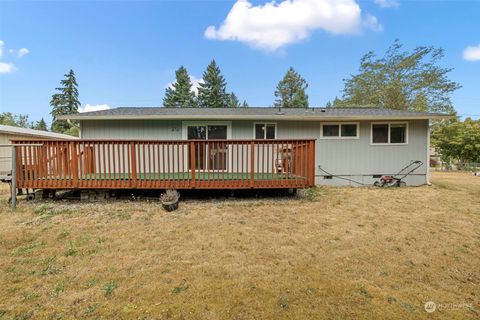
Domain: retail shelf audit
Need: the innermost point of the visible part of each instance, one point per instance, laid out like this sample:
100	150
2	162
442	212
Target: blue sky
125	52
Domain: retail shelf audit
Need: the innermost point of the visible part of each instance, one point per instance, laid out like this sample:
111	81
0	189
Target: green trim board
202	176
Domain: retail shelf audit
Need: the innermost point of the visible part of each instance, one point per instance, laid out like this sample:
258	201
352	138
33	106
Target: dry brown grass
349	253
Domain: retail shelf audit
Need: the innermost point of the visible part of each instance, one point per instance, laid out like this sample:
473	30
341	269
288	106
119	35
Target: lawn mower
397	180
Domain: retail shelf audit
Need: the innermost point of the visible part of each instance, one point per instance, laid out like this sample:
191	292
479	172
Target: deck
182	164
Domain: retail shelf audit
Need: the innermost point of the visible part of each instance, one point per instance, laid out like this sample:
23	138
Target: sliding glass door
209	156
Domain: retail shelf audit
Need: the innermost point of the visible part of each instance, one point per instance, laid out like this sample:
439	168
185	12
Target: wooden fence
181	164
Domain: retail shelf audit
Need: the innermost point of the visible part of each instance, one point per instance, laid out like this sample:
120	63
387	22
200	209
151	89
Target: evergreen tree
65	102
244	104
180	93
401	80
233	101
40	125
290	91
212	92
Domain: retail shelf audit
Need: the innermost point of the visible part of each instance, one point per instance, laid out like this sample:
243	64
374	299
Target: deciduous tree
401	80
457	141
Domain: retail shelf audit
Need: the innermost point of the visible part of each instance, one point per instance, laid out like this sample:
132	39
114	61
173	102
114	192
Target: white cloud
387	3
22	52
274	25
371	22
19	53
6	67
90	108
195	83
472	53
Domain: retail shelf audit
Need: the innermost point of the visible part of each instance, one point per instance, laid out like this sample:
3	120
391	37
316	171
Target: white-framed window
383	133
340	130
265	130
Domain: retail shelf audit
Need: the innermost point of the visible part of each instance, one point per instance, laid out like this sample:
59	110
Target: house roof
33	133
251	113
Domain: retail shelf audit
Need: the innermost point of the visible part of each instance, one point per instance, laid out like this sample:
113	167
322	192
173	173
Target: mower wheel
401	184
377	184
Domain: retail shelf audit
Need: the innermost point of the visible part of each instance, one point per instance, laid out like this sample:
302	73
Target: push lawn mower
396	180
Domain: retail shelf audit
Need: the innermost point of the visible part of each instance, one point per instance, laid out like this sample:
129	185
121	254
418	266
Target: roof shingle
251	113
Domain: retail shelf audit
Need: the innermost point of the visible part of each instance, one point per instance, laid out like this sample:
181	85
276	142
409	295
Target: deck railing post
192	162
252	164
311	160
74	163
133	157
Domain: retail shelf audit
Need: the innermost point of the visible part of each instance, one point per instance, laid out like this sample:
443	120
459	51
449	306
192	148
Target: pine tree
212	92
40	125
233	101
244	104
290	91
180	93
65	102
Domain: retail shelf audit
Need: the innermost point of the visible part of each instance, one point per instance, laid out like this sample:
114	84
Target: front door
209	156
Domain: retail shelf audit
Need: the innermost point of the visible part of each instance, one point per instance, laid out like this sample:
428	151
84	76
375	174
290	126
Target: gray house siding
355	159
131	129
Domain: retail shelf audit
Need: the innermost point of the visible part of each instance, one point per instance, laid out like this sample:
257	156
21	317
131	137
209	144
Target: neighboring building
8	133
353	143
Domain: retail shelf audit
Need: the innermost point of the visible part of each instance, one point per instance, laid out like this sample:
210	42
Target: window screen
380	133
331	130
217	132
398	133
349	130
270	134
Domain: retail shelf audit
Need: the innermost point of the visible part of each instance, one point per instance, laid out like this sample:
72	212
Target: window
197	132
330	130
339	130
389	133
265	130
349	130
206	130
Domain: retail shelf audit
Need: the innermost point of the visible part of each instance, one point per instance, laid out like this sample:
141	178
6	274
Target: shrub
170	195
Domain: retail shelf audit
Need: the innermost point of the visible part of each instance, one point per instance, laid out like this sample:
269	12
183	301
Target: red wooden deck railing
181	164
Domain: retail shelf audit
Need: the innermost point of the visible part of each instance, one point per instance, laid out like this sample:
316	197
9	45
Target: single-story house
350	146
9	133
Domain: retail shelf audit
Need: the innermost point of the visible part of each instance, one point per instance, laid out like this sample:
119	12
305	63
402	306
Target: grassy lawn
335	253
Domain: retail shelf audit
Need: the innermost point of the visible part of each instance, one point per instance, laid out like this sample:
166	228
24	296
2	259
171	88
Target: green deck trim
201	176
